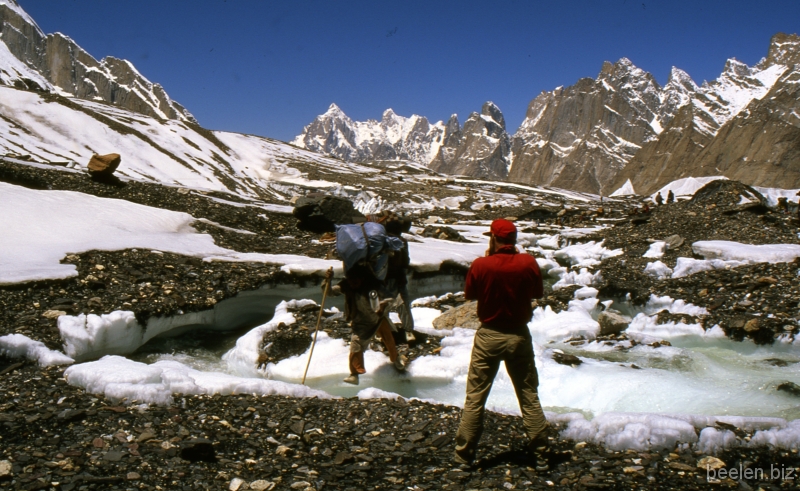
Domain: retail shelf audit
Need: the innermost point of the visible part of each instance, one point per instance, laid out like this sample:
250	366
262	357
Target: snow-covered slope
52	128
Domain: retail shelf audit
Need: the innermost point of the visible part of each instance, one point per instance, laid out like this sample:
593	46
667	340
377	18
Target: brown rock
752	325
710	463
612	323
343	458
5	469
565	359
465	315
104	164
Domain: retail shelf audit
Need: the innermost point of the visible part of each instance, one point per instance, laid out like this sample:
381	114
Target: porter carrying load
366	244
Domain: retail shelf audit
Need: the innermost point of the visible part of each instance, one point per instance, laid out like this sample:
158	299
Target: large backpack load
366	244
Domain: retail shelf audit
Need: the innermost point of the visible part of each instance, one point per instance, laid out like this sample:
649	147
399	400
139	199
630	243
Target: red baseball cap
502	228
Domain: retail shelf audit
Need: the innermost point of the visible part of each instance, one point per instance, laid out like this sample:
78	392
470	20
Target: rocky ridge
596	134
55	63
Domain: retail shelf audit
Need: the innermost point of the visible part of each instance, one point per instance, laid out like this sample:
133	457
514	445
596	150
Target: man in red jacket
504	283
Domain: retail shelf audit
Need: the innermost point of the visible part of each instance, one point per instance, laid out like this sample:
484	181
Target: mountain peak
77	72
389	114
784	49
491	110
680	79
334	110
622	68
736	68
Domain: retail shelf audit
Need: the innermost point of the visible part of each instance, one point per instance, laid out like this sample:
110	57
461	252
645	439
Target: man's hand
329	275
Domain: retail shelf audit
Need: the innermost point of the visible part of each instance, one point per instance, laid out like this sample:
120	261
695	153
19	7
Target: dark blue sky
269	68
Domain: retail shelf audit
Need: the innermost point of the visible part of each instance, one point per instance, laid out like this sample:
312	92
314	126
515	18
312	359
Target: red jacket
504	285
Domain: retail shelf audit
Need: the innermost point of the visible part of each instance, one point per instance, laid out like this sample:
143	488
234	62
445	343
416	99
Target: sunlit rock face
743	125
480	149
55	63
600	132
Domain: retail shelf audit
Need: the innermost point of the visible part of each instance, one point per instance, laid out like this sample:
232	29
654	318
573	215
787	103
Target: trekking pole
316	330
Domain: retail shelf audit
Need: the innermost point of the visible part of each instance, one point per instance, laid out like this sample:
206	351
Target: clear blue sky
269	68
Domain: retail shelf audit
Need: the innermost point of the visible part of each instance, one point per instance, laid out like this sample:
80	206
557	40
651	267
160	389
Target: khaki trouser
516	350
358	345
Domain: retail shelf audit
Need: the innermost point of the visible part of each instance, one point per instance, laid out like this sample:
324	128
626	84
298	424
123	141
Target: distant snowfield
689	185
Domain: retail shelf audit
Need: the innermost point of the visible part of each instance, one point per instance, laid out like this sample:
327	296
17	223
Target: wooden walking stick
319	318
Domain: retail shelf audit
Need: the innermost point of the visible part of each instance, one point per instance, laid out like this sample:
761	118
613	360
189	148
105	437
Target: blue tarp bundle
366	243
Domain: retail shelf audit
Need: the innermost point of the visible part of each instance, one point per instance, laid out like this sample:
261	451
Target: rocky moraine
56	436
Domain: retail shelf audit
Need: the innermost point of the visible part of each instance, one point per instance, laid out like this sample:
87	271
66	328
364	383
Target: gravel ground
55	436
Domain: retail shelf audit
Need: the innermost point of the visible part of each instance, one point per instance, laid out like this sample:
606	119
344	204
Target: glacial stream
699	375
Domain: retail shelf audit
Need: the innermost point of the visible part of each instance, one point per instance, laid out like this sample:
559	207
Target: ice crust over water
601	387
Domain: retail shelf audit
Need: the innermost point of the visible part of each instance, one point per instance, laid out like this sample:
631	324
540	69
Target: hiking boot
352	379
461	459
539	448
400	363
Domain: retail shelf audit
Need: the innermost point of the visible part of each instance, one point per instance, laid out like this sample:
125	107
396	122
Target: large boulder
443	233
104	165
465	315
321	213
612	323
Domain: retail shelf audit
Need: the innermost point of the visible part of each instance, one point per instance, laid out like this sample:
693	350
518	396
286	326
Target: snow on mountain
45	128
741	125
580	136
394	137
35	61
480	149
595	135
722	99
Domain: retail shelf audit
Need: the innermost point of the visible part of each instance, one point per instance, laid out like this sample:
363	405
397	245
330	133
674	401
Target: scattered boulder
465	315
752	325
262	485
343	458
565	359
612	323
673	242
710	463
104	165
443	233
5	469
283	342
322	213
